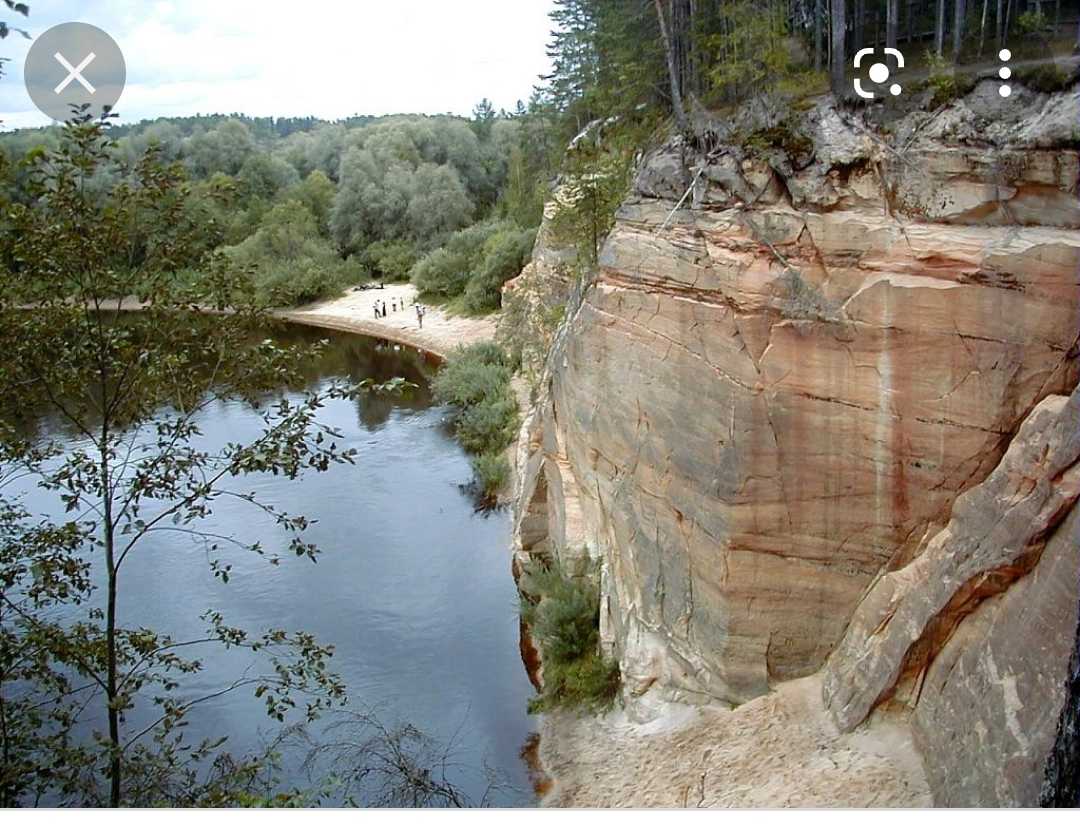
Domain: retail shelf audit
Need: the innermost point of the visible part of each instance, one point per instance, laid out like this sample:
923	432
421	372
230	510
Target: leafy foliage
292	263
383	192
475	263
754	53
946	83
1045	78
502	257
562	610
595	179
391	260
476	382
131	386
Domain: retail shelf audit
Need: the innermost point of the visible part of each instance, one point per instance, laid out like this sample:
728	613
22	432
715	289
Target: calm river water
413	586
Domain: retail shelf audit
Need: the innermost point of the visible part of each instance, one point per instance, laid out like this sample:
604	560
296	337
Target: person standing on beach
420	315
375	307
384	309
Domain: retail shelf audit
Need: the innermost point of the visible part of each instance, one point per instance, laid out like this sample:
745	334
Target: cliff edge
816	411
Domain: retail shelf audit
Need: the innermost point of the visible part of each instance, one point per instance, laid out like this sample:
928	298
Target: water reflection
412	587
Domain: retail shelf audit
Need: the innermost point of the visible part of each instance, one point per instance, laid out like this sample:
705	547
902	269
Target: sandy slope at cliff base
777	750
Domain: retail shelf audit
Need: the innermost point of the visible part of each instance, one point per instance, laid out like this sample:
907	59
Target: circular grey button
74	65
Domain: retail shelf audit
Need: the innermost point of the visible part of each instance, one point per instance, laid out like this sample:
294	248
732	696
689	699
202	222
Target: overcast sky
328	58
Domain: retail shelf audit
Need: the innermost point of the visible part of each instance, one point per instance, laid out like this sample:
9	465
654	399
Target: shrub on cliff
476	382
562	610
492	470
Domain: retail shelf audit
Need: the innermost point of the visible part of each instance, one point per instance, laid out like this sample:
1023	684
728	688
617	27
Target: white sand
776	751
353	313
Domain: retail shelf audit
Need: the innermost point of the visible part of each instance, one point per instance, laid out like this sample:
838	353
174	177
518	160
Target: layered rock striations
785	410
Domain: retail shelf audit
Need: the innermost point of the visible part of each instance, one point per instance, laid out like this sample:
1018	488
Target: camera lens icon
879	72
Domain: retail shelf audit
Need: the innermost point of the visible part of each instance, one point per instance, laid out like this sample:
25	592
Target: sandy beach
353	312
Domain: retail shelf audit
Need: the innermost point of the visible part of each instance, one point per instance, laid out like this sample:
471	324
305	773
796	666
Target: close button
71	65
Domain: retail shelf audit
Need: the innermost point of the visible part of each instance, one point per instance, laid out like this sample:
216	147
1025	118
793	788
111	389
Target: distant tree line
314	206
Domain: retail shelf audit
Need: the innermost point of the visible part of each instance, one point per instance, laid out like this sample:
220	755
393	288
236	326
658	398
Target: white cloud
329	59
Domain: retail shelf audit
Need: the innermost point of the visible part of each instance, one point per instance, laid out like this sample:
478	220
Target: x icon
74	73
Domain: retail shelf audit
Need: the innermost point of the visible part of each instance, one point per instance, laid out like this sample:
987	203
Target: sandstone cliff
821	414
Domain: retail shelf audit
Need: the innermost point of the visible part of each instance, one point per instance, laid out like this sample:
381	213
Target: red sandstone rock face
995	536
772	396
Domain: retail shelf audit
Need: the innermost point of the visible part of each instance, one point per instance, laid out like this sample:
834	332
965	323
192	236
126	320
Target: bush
487	352
465	382
391	260
945	82
1031	23
476	382
289	284
562	610
489	424
492	470
592	681
292	263
1046	77
441	274
489	253
504	254
786	136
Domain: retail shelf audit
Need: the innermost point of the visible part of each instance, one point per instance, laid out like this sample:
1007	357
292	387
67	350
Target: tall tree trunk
892	22
910	20
999	20
939	29
858	21
692	49
819	12
837	60
982	27
111	686
958	28
673	76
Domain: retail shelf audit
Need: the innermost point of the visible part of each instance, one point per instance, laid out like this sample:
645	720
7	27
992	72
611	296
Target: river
413	585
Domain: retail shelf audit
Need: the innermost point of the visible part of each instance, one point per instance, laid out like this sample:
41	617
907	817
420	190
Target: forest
312	207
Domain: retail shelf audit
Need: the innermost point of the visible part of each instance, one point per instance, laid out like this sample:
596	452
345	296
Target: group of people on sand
399	304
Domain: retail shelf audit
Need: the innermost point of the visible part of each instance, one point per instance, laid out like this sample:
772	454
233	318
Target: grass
562	609
1046	77
476	382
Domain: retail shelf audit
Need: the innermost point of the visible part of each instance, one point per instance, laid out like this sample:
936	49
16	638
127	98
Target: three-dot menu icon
1005	73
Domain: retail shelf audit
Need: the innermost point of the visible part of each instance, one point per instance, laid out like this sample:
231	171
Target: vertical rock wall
770	399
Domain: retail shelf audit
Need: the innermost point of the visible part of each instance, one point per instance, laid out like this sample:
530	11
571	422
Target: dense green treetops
313	207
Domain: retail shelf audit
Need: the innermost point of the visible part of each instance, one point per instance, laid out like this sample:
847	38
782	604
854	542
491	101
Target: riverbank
779	750
353	313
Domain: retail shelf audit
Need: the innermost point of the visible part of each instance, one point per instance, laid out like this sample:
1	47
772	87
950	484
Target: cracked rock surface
768	402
